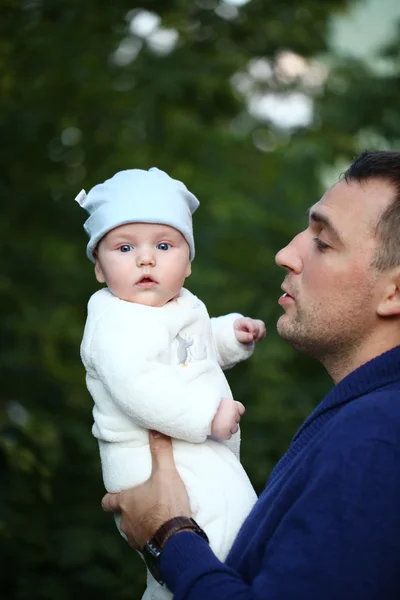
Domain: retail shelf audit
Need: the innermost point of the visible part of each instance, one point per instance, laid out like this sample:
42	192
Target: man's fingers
111	503
161	451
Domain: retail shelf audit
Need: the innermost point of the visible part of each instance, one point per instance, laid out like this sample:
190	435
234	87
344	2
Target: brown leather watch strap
172	526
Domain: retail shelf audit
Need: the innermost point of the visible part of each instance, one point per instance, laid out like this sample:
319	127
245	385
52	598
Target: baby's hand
227	417
249	330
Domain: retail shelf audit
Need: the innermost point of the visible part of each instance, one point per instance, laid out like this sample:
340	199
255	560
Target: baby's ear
188	270
98	271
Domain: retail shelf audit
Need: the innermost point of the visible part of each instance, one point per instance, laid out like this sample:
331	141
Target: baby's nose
145	257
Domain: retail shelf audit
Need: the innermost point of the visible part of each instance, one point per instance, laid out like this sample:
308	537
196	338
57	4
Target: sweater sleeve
229	350
126	356
338	538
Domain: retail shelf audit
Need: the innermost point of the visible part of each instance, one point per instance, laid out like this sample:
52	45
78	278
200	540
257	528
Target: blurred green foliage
82	96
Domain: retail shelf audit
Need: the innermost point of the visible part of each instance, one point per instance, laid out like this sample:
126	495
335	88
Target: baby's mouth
146	281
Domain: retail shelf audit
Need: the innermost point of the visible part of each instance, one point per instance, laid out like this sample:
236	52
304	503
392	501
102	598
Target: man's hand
146	507
227	417
249	330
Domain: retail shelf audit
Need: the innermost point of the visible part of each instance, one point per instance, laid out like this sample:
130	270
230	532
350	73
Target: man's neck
339	366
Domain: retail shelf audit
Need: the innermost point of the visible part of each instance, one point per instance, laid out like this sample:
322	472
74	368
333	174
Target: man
327	525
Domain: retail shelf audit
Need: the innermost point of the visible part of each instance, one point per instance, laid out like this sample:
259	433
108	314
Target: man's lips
286	298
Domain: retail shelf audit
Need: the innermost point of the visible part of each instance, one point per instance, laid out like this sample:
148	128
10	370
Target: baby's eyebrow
317	217
121	240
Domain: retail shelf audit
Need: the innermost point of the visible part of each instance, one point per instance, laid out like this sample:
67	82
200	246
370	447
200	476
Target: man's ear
99	272
390	303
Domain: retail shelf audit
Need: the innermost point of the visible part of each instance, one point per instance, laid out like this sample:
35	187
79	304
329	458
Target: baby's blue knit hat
138	196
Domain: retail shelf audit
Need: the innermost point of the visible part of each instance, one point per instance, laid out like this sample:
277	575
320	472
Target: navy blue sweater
327	525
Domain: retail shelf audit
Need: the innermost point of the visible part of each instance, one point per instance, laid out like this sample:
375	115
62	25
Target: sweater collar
376	373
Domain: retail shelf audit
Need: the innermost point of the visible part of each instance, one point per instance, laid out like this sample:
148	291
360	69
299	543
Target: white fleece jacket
161	368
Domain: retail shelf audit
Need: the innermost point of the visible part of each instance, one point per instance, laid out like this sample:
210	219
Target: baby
154	358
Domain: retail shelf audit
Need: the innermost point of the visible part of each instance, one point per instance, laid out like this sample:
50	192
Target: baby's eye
125	248
163	246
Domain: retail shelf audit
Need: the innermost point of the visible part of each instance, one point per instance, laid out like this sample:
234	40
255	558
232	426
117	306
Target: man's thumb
161	451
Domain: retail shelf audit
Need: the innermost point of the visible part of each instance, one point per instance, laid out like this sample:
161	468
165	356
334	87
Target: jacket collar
377	373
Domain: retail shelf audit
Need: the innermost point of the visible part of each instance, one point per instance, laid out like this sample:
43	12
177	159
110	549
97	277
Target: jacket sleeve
229	350
127	358
339	538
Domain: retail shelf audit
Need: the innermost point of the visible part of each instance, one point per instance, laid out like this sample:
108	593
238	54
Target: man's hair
384	166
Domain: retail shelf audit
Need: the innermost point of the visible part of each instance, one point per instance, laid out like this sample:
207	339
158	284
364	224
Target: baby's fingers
234	429
244	337
261	331
241	408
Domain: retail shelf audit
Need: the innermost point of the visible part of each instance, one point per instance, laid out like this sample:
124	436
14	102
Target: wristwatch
154	546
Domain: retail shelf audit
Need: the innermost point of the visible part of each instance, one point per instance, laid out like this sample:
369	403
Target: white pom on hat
80	198
138	196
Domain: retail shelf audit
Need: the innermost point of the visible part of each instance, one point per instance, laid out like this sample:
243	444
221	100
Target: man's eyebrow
316	217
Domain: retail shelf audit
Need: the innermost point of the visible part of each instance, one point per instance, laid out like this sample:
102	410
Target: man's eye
125	248
163	246
320	244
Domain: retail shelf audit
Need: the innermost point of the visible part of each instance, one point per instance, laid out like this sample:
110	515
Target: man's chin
301	343
288	333
283	327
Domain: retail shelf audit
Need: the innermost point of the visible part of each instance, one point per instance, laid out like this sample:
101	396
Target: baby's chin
151	299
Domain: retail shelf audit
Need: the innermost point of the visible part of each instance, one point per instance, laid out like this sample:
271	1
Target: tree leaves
72	115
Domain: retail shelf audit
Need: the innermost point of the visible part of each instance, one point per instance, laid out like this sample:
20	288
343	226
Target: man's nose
145	257
289	257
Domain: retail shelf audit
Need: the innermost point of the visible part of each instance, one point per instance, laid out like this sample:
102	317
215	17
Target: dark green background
178	112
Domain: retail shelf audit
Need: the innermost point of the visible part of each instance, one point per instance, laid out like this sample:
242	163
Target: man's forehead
330	205
354	207
372	195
